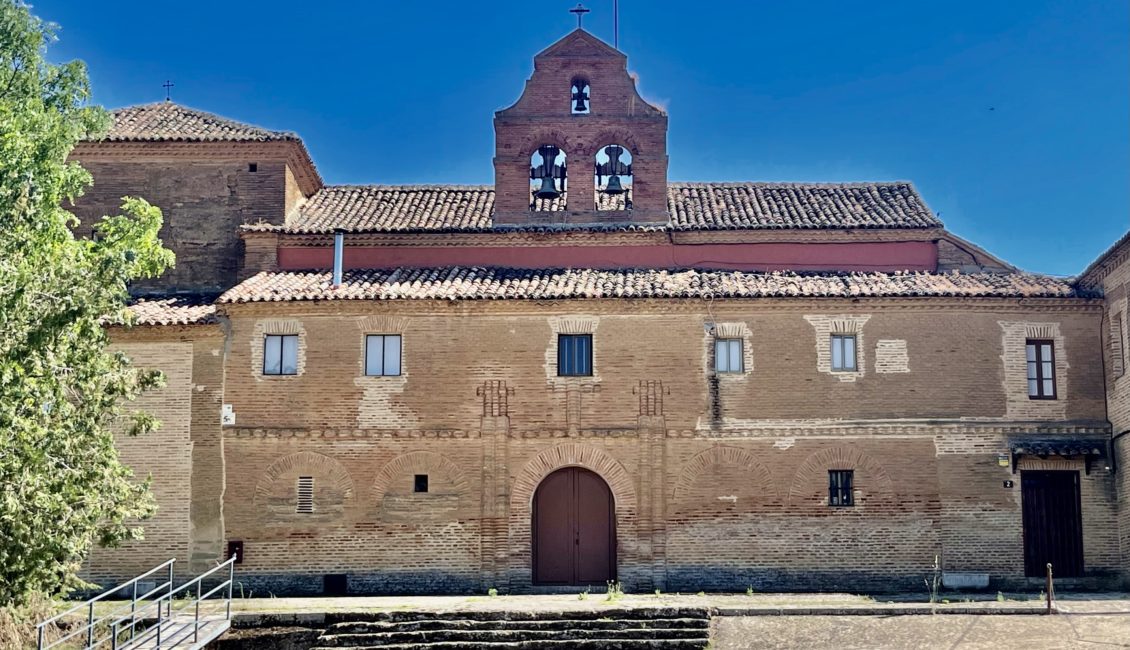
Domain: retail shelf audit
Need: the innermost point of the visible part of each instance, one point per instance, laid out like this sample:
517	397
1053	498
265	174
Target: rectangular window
843	353
420	484
382	355
305	495
727	355
280	354
1041	369
574	355
839	488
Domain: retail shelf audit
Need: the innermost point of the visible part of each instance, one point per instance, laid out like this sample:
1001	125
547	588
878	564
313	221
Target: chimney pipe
339	248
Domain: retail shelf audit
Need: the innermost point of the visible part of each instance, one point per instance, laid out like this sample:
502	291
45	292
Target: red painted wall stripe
865	256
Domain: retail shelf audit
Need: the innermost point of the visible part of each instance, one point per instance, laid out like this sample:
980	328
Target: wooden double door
1053	523
574	529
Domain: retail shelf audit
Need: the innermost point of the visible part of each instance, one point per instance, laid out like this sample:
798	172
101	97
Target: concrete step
568	644
506	615
430	637
364	627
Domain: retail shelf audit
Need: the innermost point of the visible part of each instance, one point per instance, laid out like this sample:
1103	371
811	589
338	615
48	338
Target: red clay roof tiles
174	310
475	283
166	121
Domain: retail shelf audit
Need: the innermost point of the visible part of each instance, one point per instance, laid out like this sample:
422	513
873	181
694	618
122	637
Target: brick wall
204	201
718	484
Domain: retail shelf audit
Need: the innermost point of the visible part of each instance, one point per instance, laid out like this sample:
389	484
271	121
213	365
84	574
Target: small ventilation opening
252	167
235	548
305	494
421	483
335	584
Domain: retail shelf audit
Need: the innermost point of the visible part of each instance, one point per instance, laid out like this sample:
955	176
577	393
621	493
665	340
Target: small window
1041	369
839	488
252	167
280	354
305	495
727	355
574	355
382	355
420	484
843	353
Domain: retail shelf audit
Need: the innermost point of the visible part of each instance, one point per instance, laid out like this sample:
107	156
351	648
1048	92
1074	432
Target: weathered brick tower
580	100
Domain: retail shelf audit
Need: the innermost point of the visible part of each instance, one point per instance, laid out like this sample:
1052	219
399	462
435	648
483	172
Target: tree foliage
63	392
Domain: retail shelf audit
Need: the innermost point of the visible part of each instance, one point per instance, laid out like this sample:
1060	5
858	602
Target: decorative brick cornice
899	428
347	434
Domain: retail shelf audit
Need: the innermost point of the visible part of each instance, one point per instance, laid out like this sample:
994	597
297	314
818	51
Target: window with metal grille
727	355
382	355
839	488
1117	347
574	355
280	354
1041	369
420	483
843	353
305	495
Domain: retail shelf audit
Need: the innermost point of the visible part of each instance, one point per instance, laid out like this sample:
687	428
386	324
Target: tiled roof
693	206
174	310
474	283
166	121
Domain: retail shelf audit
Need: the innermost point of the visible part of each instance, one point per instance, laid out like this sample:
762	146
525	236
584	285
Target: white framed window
280	354
728	355
382	355
843	353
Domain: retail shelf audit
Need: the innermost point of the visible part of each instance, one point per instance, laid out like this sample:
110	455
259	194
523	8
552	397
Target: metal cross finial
580	11
168	86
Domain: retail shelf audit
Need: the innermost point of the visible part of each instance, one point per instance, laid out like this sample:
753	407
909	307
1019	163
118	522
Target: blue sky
1010	116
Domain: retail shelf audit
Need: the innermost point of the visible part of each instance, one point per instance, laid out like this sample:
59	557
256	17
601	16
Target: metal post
169	606
231	581
1050	591
39	634
90	626
133	613
196	622
114	636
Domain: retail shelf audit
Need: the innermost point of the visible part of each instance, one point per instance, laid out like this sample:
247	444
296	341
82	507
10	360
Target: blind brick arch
871	482
723	478
276	494
393	492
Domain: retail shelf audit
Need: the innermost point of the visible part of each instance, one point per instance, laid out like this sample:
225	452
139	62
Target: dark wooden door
574	529
1053	523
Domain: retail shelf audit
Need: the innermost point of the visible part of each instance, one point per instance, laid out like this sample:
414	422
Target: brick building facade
587	372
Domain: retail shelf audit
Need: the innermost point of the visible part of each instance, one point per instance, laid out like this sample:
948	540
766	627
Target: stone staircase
658	628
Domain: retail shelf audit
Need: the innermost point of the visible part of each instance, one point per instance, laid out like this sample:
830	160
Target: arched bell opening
613	178
548	179
579	97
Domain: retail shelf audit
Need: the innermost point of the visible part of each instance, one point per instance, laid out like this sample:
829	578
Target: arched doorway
574	529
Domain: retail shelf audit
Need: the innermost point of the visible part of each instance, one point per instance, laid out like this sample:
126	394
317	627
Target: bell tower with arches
580	146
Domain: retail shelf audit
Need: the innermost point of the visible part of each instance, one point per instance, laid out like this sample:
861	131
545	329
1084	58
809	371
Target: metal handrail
139	608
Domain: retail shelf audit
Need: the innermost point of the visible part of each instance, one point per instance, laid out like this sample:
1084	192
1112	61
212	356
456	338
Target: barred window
574	355
1041	369
727	355
839	488
305	495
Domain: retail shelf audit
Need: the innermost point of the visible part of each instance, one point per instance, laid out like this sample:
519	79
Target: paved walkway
723	604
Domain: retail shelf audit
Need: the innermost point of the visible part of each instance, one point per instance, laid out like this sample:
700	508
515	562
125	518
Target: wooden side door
1053	523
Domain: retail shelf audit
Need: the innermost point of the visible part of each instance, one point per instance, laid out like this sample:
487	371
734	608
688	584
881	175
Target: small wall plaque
1002	460
227	415
1009	484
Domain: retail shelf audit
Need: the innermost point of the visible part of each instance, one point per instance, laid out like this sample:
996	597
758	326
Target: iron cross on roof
580	11
168	86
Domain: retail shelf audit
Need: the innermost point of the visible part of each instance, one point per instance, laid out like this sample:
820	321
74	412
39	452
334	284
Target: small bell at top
614	187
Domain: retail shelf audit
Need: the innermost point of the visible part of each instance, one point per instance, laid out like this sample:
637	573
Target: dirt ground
942	631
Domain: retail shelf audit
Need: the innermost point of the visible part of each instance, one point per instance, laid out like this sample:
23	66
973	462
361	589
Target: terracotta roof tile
475	283
693	206
174	310
166	121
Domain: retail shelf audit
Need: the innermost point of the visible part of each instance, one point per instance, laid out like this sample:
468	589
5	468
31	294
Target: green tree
63	392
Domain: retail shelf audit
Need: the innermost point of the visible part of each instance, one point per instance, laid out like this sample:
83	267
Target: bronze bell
548	189
579	98
614	187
